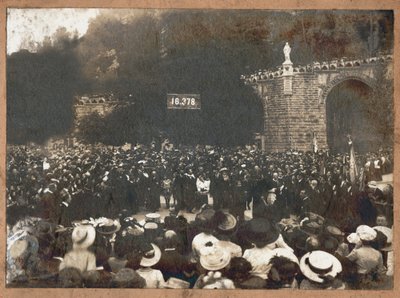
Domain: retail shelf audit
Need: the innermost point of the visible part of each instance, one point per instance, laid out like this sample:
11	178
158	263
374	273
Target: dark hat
261	230
205	215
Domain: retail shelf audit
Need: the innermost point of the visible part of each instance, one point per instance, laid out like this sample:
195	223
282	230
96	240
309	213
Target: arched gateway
294	98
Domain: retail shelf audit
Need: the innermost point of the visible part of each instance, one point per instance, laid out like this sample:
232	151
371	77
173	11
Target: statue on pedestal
286	50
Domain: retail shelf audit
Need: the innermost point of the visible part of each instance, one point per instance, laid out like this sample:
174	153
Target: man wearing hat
80	257
223	192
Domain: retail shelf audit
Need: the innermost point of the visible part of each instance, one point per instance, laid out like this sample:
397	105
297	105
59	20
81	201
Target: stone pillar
287	66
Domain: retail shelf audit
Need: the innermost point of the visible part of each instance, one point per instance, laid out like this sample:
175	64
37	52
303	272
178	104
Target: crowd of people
261	220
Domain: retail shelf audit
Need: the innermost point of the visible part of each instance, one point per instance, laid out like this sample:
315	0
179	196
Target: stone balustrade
332	65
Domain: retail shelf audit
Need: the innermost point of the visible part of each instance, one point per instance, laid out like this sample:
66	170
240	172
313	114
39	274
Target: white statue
286	50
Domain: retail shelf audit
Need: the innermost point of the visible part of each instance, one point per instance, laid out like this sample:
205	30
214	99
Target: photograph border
193	4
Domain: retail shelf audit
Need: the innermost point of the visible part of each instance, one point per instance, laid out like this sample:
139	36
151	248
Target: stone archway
346	102
325	90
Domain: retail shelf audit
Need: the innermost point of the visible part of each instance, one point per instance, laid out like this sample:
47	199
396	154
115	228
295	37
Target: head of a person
127	278
239	269
271	198
171	239
283	272
70	277
381	220
123	245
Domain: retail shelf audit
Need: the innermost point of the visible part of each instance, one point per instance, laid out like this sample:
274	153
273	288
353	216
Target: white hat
83	236
215	259
319	263
366	233
151	257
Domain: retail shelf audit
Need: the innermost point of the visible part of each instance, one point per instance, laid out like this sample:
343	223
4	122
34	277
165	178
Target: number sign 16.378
183	101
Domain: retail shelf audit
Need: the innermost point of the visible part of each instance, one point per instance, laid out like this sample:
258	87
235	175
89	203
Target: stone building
103	104
294	98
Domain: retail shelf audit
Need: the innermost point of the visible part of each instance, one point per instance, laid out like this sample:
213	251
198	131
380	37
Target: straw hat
372	184
108	226
83	236
229	222
215	258
317	264
151	257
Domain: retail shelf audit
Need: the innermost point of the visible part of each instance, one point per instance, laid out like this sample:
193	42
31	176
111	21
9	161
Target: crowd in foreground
261	220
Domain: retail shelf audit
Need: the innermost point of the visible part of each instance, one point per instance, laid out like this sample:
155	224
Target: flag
315	145
353	165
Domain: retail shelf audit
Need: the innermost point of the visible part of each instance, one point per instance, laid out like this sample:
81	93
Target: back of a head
123	246
283	271
127	278
70	278
239	268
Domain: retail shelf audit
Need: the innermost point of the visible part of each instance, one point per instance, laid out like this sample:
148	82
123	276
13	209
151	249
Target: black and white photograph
199	149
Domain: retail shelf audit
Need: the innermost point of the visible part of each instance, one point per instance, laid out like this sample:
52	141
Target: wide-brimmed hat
389	237
151	257
261	230
228	223
83	236
214	258
176	283
366	233
108	226
318	264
